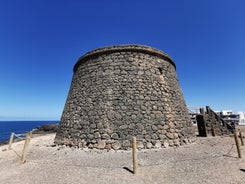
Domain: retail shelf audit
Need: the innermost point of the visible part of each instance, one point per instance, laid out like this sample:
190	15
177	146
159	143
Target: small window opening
160	70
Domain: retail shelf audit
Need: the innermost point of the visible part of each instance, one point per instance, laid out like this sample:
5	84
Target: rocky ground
207	160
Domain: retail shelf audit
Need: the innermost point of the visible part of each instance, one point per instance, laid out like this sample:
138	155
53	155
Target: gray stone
149	145
158	144
118	116
154	107
108	146
165	144
154	136
105	136
172	130
148	137
162	137
176	142
90	146
141	72
170	135
90	136
93	126
101	144
114	136
123	127
154	127
176	135
140	145
116	145
159	127
171	143
126	143
165	127
123	107
139	126
164	132
96	135
133	116
100	125
131	126
171	125
110	115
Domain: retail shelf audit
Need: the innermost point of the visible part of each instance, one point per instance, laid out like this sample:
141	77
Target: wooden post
240	134
135	164
237	145
11	140
27	141
30	134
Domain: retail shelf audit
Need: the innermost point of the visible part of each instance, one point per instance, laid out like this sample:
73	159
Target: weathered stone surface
140	145
154	127
126	144
172	130
105	136
101	144
165	144
123	91
149	145
171	125
116	145
148	137
114	136
170	135
158	144
96	135
171	142
176	135
165	127
176	142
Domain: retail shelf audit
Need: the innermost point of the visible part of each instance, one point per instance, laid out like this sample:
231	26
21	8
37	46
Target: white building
230	117
226	112
241	118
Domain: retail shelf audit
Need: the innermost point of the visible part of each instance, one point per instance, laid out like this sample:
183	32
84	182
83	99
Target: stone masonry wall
209	123
123	91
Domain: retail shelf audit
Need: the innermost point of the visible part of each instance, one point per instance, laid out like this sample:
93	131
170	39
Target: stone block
101	144
116	145
114	136
165	144
158	144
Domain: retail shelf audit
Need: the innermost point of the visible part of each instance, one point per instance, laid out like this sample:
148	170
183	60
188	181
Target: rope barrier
19	136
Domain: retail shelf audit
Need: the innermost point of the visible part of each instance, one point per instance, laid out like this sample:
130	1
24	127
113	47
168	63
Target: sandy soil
208	160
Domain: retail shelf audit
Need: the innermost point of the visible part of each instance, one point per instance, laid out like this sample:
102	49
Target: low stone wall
210	124
123	91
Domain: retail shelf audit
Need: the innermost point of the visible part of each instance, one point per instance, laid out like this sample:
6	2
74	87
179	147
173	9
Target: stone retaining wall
123	91
210	124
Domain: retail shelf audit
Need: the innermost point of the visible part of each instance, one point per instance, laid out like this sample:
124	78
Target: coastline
34	134
20	127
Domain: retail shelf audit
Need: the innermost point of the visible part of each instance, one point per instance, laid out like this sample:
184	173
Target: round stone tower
122	91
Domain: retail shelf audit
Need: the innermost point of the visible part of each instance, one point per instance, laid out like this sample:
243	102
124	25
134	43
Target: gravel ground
207	160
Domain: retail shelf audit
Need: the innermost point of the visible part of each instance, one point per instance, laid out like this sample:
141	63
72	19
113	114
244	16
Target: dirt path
208	160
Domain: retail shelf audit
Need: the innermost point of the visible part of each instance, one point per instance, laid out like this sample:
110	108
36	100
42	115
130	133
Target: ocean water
19	127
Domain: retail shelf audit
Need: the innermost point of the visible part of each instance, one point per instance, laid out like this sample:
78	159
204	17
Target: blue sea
19	127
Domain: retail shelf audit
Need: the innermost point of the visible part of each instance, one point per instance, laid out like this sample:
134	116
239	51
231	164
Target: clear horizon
42	40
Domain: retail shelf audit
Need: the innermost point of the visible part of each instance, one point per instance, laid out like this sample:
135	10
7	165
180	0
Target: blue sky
41	40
